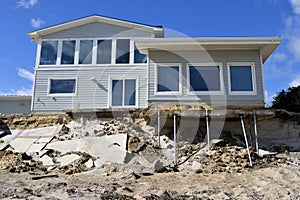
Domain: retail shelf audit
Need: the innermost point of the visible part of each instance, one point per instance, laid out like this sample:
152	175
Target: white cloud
25	74
294	46
37	22
279	57
23	92
269	98
295	6
295	82
26	4
292	29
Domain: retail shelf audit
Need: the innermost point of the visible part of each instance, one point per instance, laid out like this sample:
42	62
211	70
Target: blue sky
195	18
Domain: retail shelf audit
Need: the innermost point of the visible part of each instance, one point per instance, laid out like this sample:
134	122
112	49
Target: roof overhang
35	35
266	45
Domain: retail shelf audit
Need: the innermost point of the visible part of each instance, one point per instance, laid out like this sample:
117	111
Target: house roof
93	18
14	97
265	44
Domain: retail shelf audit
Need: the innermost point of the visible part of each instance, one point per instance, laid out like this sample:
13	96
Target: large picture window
241	78
62	86
86	52
49	53
68	52
124	92
123	51
168	79
205	78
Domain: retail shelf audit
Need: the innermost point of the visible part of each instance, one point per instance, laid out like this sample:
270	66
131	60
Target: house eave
265	44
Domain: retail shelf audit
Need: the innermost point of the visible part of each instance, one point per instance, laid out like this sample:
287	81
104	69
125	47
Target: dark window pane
168	79
204	78
123	51
117	92
104	52
49	53
68	52
86	52
129	93
241	78
62	86
139	57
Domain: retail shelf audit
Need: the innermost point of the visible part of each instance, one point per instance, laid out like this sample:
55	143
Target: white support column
246	141
158	128
175	141
255	131
207	129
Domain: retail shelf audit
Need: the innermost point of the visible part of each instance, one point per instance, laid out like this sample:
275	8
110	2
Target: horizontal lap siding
185	57
97	29
89	95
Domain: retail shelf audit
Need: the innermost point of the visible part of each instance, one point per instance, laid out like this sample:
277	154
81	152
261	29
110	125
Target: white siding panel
90	95
220	56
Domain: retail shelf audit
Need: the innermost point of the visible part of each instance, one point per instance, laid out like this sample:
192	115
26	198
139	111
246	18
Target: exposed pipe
246	141
175	138
207	129
255	131
158	128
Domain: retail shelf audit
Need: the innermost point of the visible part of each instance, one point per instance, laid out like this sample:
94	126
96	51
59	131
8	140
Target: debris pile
19	162
230	159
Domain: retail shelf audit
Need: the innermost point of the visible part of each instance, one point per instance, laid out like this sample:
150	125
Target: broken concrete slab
67	159
89	163
30	141
46	160
106	148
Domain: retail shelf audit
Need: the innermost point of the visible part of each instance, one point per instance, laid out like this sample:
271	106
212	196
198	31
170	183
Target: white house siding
97	29
217	56
89	94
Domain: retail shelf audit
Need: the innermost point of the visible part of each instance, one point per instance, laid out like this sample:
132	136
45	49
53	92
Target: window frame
38	60
94	52
221	75
168	93
123	78
253	75
62	94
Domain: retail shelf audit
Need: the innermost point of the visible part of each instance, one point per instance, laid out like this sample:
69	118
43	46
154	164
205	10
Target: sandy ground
281	182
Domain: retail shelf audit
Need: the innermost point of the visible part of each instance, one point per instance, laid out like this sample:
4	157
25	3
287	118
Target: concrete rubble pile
106	145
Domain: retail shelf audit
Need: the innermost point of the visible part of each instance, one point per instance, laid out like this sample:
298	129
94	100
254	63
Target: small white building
13	104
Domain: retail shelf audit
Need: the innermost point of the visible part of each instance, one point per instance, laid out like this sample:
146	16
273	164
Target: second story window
86	52
104	51
139	57
49	53
123	51
68	52
96	52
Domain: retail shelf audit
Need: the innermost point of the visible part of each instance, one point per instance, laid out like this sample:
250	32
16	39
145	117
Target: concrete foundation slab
30	140
106	148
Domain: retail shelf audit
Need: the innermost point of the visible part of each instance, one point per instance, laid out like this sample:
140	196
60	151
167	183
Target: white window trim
123	78
221	92
94	56
62	94
168	93
252	65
